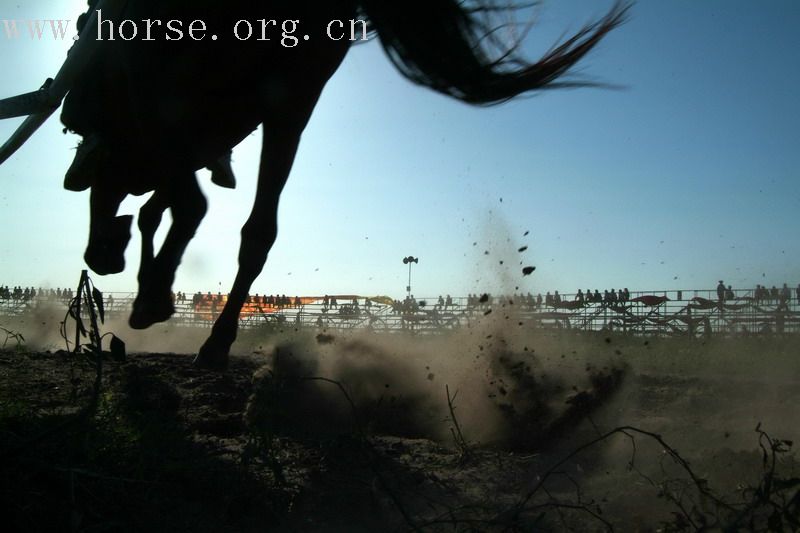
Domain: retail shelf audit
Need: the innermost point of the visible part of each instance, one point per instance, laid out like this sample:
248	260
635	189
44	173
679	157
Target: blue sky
685	175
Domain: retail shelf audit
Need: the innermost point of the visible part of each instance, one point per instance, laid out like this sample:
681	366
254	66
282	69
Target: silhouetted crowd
784	294
528	300
29	293
278	301
725	293
761	294
612	296
408	305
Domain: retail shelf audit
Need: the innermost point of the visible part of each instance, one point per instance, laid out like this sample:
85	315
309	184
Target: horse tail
452	47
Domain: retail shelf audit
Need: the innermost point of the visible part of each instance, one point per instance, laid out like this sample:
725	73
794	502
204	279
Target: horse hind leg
285	117
108	234
154	303
279	146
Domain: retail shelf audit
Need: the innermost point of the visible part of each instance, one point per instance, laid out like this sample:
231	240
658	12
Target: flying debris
528	270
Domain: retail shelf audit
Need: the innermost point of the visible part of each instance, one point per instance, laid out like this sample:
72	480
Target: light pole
407	261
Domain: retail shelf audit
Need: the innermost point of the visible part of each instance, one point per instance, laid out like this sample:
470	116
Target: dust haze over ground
41	331
496	371
493	379
501	362
702	394
525	396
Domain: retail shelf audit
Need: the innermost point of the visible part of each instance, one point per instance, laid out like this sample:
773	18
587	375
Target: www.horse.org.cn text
286	32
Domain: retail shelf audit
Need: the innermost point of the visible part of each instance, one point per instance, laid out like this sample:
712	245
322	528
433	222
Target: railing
672	312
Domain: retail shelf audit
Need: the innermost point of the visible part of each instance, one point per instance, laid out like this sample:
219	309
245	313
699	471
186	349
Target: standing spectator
721	291
786	294
763	293
729	293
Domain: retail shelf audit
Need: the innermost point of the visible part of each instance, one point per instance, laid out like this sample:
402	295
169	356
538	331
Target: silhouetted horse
152	112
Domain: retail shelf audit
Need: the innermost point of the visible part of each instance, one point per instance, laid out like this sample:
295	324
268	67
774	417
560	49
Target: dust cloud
508	376
508	386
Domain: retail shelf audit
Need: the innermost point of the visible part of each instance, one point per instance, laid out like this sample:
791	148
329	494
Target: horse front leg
108	233
154	303
149	220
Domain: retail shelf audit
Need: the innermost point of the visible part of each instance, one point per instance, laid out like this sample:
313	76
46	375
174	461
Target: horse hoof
106	253
211	359
103	261
222	172
149	311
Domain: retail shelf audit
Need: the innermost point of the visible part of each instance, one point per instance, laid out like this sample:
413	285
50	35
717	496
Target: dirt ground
478	431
